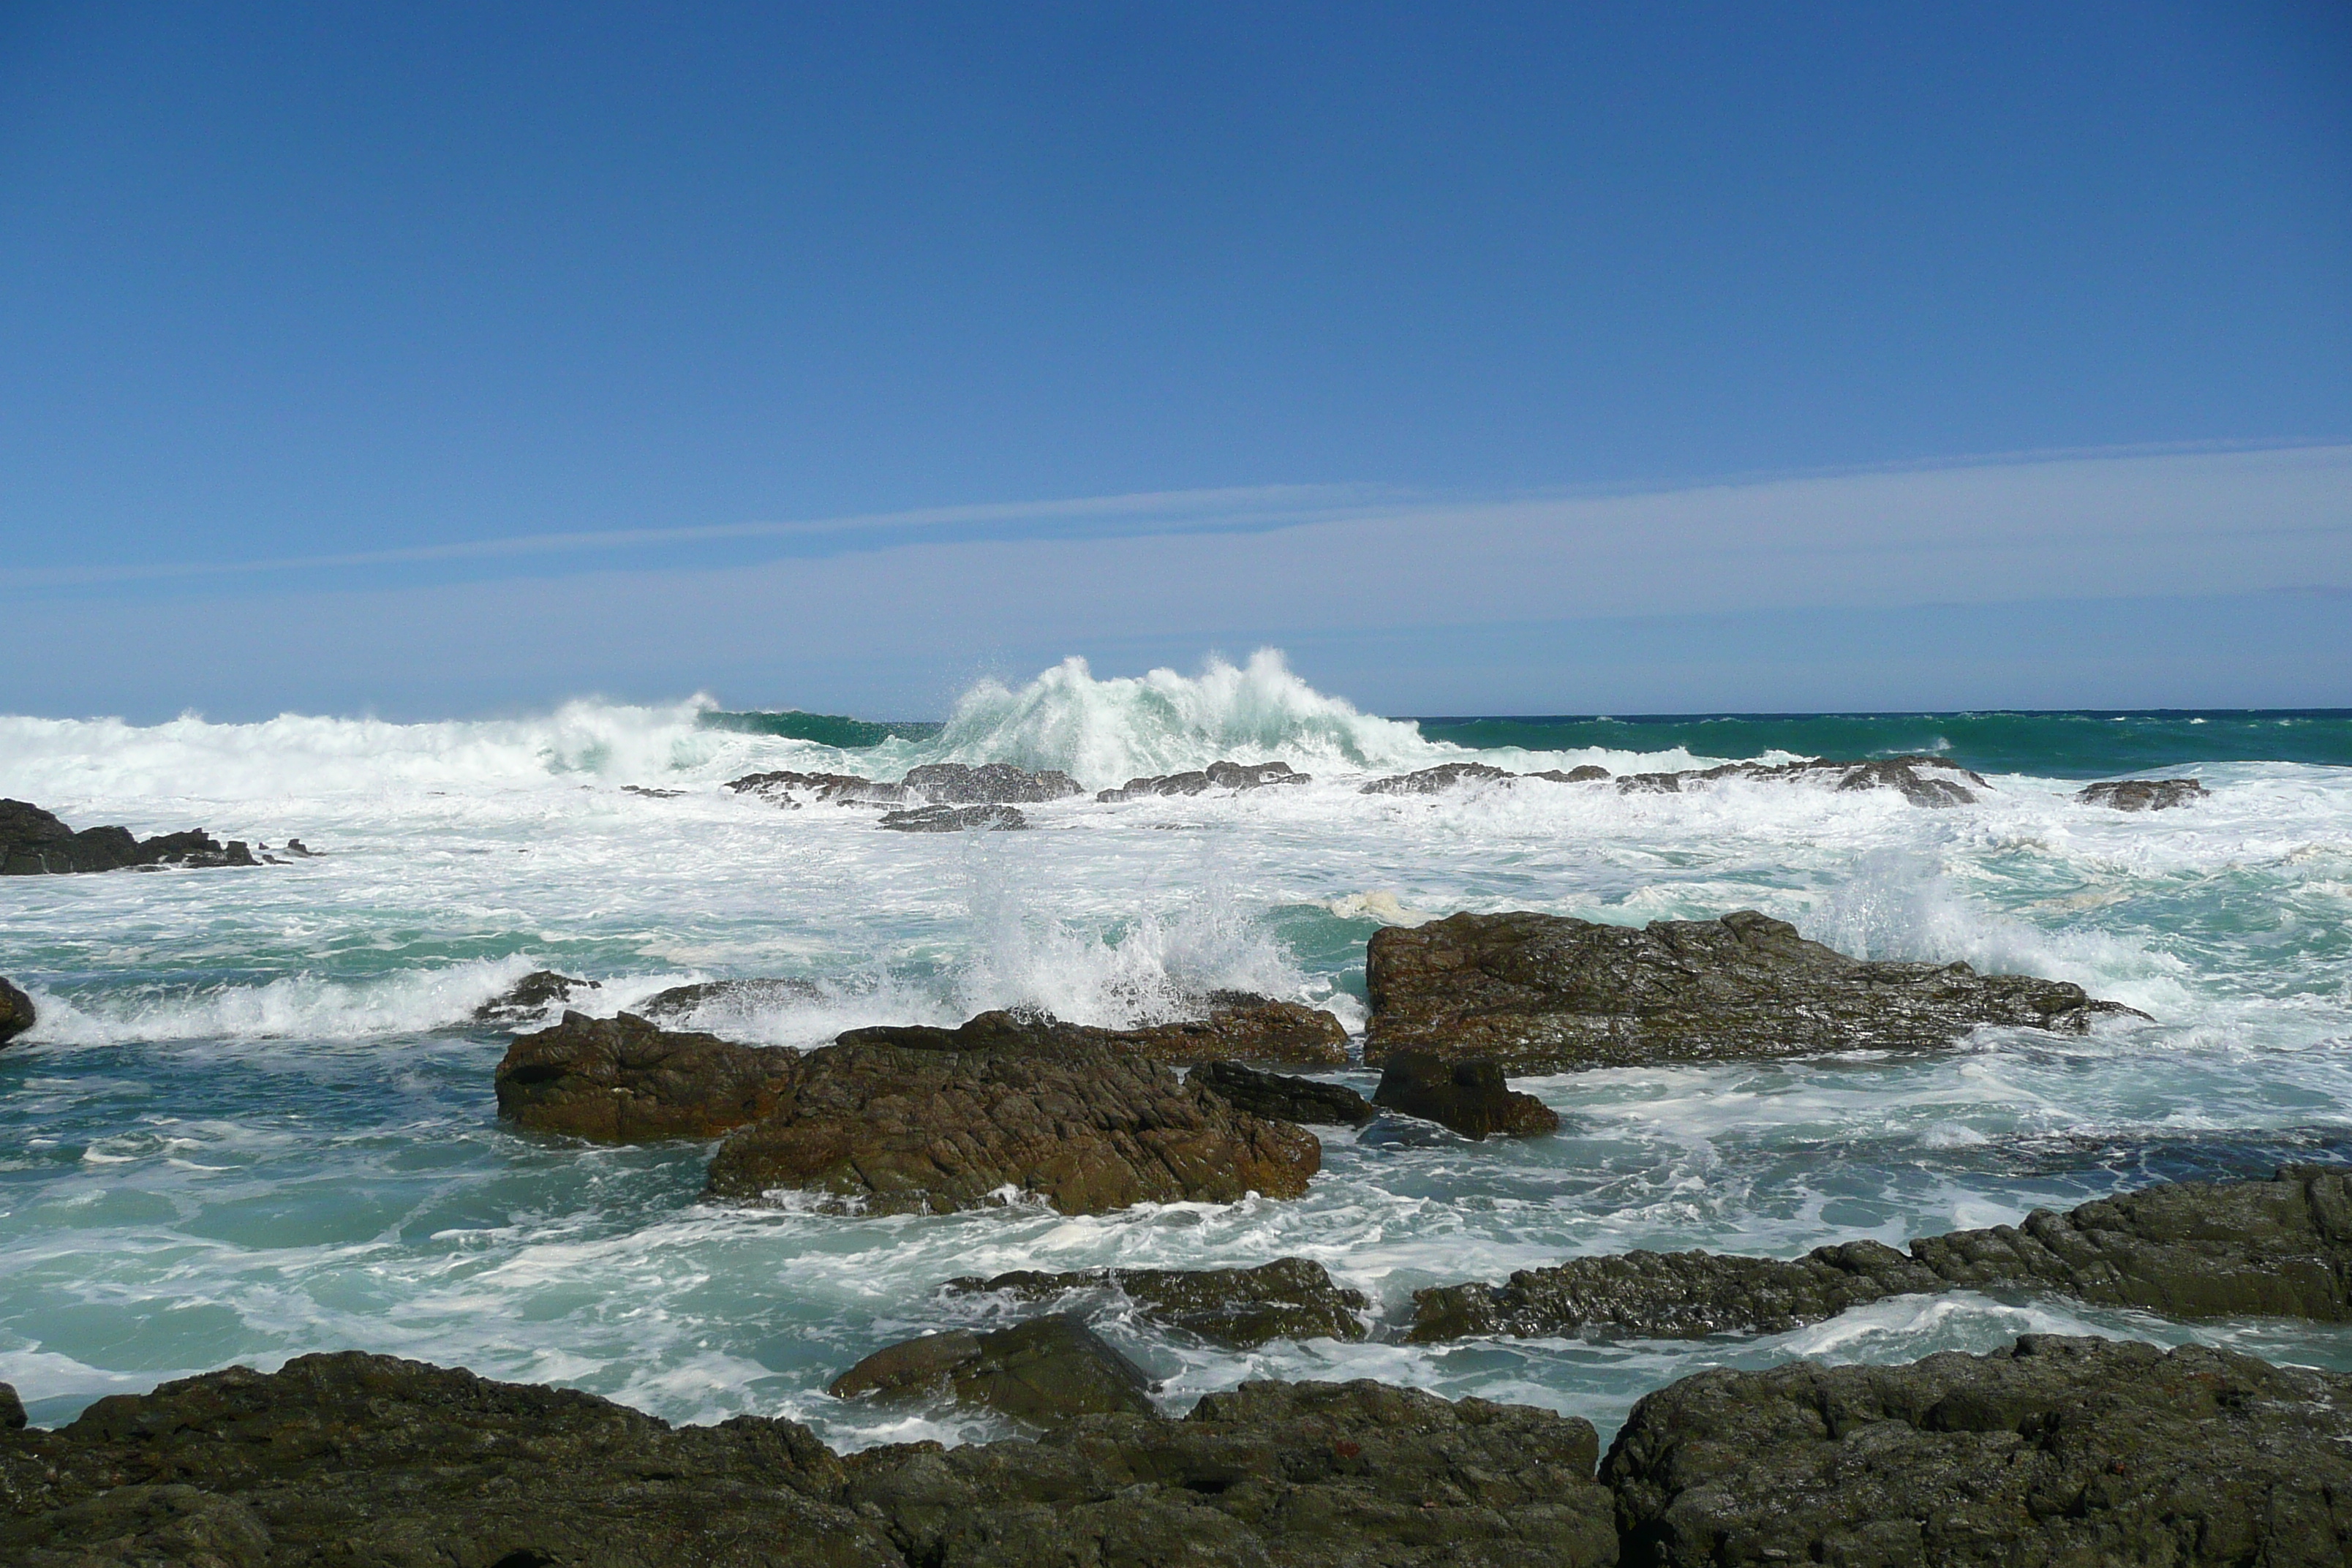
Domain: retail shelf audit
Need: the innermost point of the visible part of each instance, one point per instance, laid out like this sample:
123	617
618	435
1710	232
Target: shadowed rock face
1216	776
1468	1096
370	1460
2055	1451
527	998
1288	1299
1044	1371
2143	794
16	1013
1254	1029
2192	1249
890	1129
623	1081
1299	1100
33	842
1539	992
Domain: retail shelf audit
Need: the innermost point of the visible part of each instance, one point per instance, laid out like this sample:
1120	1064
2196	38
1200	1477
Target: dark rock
622	1080
1539	992
1288	1299
902	1128
998	784
2143	794
651	793
1043	1372
954	819
1255	1027
1467	1094
1584	773
302	851
2281	1248
12	1409
16	1013
533	994
1284	1098
2055	1451
786	788
1923	781
1431	781
1650	783
735	998
1216	776
32	842
365	1460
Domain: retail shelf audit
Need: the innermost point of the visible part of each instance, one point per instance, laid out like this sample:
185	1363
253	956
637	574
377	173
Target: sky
435	360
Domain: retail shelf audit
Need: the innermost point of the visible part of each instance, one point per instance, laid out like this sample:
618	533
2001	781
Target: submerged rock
1467	1095
1216	776
531	996
787	788
34	842
1288	1299
362	1458
910	1128
739	998
623	1081
2143	794
954	784
1043	1372
2281	1248
1257	1028
2054	1451
1304	1101
1540	992
954	819
16	1013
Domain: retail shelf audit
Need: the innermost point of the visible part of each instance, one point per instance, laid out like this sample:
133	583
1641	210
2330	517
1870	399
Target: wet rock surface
736	999
1540	992
954	784
909	1127
369	1460
2281	1248
1467	1094
1923	781
1288	1299
787	788
1437	780
2054	1451
533	994
1304	1101
1044	1371
16	1013
33	842
625	1080
955	819
1216	776
2143	794
1238	1025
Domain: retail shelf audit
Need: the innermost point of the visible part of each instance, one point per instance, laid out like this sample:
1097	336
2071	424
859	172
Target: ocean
256	1119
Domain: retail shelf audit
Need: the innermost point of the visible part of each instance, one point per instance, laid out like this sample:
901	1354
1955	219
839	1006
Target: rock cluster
33	841
1434	780
1238	1026
928	798
16	1013
623	1081
1216	776
785	787
1467	1095
1305	1100
1288	1299
2281	1248
1923	781
954	784
534	993
955	819
2143	794
1043	1372
1540	992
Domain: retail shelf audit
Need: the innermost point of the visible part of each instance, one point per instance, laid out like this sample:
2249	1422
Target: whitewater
256	1119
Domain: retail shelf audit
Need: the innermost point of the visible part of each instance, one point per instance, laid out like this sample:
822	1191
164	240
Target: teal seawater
825	729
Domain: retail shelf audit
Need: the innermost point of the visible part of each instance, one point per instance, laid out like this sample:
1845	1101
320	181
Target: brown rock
529	997
1043	1372
1304	1101
1238	1026
16	1013
623	1081
1466	1095
1288	1299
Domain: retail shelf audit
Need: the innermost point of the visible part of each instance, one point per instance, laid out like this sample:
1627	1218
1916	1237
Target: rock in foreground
1301	1100
1288	1299
2055	1451
1539	992
34	842
2143	794
2192	1249
1044	1371
364	1459
16	1013
623	1081
1466	1095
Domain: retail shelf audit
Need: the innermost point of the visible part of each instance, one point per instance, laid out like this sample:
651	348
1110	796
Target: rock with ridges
1288	1299
531	996
1043	1372
34	842
16	1013
623	1080
1257	1028
955	819
2054	1451
1539	992
1216	776
991	784
1433	781
893	1128
1467	1094
1304	1101
2143	794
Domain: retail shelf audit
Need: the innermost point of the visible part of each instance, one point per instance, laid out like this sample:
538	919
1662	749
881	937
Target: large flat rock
1541	993
623	1080
1233	1027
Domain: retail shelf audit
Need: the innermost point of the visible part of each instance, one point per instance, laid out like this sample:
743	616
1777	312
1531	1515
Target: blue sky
1489	358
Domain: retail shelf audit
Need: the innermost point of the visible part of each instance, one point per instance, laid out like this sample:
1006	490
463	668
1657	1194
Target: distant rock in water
1238	1025
1585	772
739	998
1431	781
1044	1371
786	788
2281	1248
1288	1299
1467	1095
954	784
623	1081
651	793
955	819
534	993
2143	794
1216	776
1539	992
1301	1100
16	1013
1923	781
2056	1450
33	842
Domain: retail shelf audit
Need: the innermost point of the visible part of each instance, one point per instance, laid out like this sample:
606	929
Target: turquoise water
255	1119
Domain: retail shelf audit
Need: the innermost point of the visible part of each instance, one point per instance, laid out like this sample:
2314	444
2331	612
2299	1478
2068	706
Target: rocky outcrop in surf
1467	1094
33	842
1923	781
16	1013
995	784
1540	992
2281	1248
1216	776
788	788
245	1469
1238	1025
1288	1299
1436	780
740	998
955	819
2143	794
1044	1371
623	1080
927	799
1305	1100
2055	1450
927	1127
533	995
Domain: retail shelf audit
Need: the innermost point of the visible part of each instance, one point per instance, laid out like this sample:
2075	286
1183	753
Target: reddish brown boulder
623	1081
1469	1096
